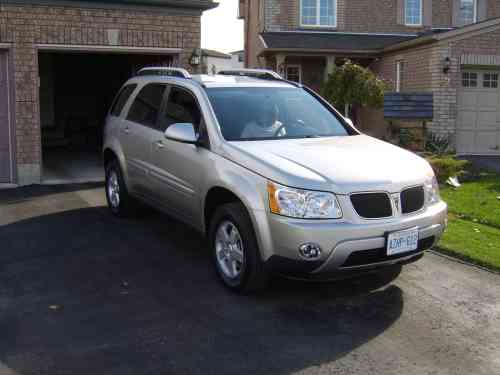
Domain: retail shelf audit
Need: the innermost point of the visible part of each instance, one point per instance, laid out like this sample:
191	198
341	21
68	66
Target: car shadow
83	292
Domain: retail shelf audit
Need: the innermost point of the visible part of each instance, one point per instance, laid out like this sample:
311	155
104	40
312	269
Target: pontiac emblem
397	202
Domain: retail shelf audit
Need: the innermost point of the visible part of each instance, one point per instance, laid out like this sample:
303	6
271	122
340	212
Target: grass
474	221
476	201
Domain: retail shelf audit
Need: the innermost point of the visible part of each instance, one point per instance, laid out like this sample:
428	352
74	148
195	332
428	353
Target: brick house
449	48
62	61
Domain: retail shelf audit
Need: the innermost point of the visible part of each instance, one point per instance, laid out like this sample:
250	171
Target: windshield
259	113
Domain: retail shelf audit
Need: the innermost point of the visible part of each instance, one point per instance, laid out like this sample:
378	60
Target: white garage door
478	121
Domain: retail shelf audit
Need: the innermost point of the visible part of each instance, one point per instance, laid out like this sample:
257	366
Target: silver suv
274	176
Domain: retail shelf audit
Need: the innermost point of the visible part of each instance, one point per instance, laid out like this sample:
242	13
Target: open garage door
76	91
478	121
5	122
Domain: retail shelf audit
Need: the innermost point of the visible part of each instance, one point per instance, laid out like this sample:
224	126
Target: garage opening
76	91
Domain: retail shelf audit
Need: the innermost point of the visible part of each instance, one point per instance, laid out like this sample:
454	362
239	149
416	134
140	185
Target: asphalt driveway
84	293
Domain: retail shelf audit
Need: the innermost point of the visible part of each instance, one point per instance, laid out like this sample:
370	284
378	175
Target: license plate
402	241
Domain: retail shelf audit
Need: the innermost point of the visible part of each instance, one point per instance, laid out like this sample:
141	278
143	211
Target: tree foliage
352	84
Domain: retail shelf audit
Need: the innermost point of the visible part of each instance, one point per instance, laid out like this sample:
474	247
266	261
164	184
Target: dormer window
413	12
318	13
468	12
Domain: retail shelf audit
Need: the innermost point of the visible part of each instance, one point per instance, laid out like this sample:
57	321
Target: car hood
339	164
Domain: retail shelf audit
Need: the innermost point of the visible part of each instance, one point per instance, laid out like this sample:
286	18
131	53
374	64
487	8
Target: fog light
310	251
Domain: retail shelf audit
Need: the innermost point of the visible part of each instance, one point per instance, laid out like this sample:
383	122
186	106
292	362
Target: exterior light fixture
195	59
446	65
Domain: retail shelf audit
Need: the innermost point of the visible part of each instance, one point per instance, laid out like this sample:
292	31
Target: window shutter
427	11
401	12
482	8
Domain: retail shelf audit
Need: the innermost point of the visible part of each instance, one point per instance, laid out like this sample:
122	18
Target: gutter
186	4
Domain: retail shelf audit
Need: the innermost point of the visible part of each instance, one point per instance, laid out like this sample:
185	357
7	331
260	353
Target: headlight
432	191
302	204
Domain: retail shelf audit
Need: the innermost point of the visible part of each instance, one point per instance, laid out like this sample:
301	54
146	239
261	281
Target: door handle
160	144
126	129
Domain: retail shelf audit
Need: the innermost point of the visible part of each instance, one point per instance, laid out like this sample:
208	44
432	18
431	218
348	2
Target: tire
233	220
123	206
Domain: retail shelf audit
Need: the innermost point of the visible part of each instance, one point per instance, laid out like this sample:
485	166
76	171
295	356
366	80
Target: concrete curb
458	260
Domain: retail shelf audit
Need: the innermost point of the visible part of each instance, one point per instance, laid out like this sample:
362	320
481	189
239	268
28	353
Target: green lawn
476	201
474	221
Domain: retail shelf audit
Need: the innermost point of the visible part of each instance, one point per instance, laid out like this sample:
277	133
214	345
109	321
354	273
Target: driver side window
181	108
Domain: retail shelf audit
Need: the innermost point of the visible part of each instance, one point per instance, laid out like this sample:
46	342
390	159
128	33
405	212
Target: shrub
352	84
437	144
446	166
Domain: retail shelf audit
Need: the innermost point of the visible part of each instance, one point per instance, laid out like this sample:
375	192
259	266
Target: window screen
413	12
121	100
147	104
467	11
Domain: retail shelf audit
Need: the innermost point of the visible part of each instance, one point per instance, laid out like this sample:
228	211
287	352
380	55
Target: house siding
25	26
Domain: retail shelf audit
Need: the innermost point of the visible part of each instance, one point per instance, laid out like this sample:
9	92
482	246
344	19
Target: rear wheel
119	201
235	250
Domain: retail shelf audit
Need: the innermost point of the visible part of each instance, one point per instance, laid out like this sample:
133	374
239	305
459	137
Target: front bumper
352	244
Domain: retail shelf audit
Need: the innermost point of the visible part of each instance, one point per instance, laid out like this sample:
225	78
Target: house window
468	11
469	79
399	75
413	12
490	80
319	13
293	73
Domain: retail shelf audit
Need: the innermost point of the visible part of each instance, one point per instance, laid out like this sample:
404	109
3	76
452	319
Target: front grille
372	205
412	199
363	257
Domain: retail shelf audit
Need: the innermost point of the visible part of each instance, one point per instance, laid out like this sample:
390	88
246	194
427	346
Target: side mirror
181	132
349	121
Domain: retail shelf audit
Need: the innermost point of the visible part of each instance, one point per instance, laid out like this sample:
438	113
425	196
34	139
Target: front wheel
235	250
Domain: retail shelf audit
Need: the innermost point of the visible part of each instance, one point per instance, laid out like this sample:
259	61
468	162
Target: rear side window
121	99
146	106
181	107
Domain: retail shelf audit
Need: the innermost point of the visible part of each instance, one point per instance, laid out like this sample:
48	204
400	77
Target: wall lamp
446	65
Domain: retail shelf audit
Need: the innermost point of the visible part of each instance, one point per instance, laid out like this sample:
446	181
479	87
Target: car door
177	170
138	131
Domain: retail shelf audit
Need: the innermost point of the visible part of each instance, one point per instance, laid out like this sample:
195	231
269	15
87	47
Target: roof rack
164	71
255	73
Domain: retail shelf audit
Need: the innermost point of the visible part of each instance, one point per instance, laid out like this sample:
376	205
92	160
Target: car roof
213	81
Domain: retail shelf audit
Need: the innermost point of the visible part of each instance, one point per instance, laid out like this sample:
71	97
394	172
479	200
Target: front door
478	121
177	168
5	122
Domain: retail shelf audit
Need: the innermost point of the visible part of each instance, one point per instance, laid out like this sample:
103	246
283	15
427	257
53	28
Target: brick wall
24	26
363	15
417	76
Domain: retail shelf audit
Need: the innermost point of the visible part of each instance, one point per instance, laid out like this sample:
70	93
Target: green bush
446	166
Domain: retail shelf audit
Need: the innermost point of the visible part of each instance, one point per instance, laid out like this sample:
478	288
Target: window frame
474	18
318	16
421	14
162	101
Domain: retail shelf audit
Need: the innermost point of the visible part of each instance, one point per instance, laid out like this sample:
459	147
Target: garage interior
76	91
